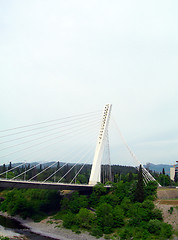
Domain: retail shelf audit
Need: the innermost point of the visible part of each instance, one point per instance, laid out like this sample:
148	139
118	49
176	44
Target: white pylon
95	175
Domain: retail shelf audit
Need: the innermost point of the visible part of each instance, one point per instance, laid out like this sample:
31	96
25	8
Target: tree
10	166
77	202
105	217
85	218
3	168
118	216
176	177
139	193
150	190
163	171
130	178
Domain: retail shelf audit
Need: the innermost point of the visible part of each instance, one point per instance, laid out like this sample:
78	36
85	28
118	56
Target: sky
59	58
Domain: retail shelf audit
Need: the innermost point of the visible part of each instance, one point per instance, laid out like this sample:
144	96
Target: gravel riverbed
47	227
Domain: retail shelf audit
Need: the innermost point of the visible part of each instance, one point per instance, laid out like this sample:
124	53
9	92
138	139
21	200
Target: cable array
106	161
66	142
146	175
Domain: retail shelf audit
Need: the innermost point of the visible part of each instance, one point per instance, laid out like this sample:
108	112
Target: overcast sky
59	58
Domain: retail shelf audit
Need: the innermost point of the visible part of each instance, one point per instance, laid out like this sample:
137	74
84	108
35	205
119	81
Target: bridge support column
95	175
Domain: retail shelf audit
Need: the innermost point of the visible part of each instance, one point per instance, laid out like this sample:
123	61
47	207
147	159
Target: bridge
15	176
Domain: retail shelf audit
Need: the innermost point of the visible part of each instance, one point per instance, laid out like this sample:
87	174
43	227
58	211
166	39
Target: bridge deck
44	185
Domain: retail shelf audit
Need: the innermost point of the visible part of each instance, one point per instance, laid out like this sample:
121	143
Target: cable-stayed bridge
70	144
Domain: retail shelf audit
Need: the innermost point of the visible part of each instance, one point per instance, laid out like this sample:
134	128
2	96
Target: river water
17	227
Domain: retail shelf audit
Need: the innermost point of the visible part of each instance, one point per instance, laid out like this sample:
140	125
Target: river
15	226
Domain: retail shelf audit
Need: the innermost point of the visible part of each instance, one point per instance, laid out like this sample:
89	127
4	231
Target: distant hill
159	167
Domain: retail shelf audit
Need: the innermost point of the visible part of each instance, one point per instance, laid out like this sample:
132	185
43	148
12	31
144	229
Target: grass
51	222
175	199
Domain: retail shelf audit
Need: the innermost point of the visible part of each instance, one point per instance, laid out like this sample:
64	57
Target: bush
96	231
118	216
32	203
166	230
111	199
76	202
138	214
171	210
4	238
157	214
126	205
98	191
69	220
125	233
105	217
154	226
84	218
151	190
75	229
147	204
141	233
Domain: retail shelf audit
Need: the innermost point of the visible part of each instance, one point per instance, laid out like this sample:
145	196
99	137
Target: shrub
69	220
138	214
111	199
171	210
118	216
105	217
98	191
126	204
32	203
125	233
75	229
77	202
151	190
166	230
147	204
85	218
154	226
4	238
157	214
96	231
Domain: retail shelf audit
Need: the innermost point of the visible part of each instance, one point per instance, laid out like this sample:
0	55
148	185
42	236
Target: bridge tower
95	175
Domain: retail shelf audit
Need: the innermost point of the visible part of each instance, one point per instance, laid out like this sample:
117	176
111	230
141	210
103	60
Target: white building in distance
172	173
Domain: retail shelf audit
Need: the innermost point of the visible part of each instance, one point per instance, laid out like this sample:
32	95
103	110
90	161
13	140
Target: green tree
139	193
130	178
105	217
150	190
69	220
98	191
118	216
166	230
81	178
154	226
85	218
10	166
126	205
77	202
164	180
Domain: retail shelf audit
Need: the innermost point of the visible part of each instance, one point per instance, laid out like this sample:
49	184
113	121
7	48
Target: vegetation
118	172
4	238
33	203
126	211
116	213
139	193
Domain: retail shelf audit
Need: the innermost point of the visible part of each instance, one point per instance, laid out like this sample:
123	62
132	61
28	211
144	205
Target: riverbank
47	227
11	234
